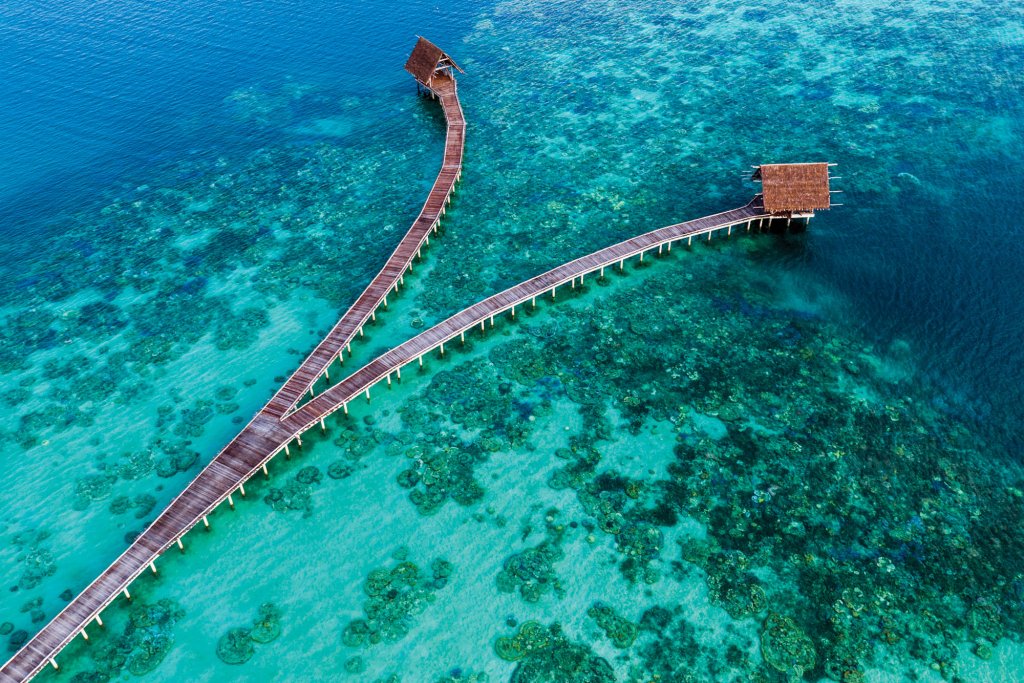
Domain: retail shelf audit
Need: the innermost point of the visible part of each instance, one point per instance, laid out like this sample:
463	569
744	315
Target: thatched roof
425	60
791	188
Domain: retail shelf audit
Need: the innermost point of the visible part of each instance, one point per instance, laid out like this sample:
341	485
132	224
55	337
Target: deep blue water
97	91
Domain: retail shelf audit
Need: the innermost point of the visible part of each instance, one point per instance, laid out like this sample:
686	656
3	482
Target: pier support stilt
55	665
344	406
729	232
85	635
602	271
152	566
287	453
389	379
669	250
127	595
181	546
323	426
552	293
206	523
462	337
442	349
298	439
398	372
266	472
367	394
534	302
513	311
327	373
99	621
231	502
689	241
641	257
241	489
420	359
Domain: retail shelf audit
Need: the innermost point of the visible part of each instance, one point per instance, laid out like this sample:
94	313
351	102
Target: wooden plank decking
309	414
280	422
387	280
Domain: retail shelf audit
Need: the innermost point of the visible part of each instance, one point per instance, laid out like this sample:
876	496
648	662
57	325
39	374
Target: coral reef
531	572
145	641
545	655
237	645
395	597
295	494
786	648
621	631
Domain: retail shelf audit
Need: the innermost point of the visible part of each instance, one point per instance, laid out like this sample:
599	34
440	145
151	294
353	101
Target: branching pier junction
789	192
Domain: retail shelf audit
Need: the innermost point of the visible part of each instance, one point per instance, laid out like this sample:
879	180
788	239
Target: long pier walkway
392	274
280	422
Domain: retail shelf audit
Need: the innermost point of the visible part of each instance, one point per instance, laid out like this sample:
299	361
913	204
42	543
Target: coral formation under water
394	598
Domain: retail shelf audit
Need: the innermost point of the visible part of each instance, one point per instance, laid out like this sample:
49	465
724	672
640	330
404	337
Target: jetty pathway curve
284	420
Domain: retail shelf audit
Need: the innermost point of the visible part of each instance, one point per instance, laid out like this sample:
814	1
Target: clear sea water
769	458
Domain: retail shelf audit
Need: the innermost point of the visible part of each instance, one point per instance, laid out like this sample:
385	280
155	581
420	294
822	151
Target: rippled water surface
769	458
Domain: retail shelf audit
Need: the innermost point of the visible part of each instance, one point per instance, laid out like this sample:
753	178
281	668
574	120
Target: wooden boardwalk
525	293
388	280
274	427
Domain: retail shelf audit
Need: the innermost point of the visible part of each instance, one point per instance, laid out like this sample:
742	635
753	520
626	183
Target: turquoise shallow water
765	459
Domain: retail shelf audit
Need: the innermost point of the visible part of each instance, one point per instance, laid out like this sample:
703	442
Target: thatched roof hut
794	188
428	62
